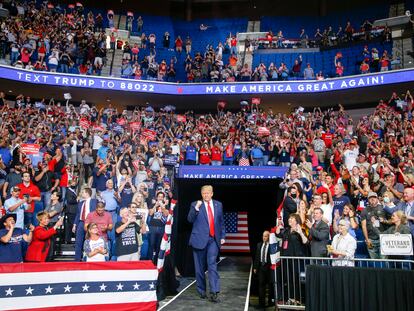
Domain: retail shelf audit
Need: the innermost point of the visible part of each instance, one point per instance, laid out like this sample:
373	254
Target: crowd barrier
79	286
290	275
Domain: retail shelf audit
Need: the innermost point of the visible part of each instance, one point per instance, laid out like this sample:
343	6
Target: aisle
234	277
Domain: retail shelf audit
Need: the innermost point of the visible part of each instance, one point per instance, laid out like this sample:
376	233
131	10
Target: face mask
293	195
386	200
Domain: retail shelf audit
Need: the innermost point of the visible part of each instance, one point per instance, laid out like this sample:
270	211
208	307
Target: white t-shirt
94	245
327	212
350	158
97	142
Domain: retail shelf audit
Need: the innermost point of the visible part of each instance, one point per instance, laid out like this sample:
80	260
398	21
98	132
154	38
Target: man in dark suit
86	206
206	238
318	234
289	205
262	268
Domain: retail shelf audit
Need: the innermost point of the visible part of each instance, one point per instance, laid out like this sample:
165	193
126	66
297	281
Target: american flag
237	235
78	286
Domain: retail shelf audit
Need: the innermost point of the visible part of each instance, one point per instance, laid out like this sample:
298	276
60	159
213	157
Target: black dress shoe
203	296
214	298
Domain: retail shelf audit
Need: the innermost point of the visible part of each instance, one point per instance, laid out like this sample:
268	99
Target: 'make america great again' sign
271	87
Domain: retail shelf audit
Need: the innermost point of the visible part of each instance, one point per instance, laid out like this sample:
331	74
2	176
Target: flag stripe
142	306
237	237
236	247
8	279
59	266
78	299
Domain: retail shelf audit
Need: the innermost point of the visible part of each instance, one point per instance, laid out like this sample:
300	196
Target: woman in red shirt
216	154
204	155
39	247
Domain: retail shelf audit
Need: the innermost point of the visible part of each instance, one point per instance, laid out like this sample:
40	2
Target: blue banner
231	172
253	88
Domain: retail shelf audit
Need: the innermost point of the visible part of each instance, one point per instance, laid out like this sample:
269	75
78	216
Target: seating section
291	26
324	60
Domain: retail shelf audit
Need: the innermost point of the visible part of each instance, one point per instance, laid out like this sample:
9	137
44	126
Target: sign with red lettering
149	134
263	131
181	118
135	126
121	121
256	100
84	123
30	148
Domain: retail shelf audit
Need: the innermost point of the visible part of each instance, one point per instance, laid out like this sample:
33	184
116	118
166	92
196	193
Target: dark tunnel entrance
259	198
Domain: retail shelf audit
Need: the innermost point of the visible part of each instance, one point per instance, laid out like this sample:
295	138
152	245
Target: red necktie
210	219
83	214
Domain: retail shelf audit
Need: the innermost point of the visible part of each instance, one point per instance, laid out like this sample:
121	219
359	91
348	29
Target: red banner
84	123
30	148
136	164
149	134
98	128
121	121
135	126
256	100
181	118
263	131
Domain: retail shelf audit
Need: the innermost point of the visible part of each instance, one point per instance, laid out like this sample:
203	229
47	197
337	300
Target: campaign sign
182	89
396	244
30	149
231	172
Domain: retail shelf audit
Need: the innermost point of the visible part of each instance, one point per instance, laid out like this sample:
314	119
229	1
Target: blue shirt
12	251
110	202
99	182
257	153
191	153
102	152
18	211
6	156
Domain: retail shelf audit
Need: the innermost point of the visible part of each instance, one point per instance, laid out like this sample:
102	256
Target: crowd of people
108	176
44	38
326	38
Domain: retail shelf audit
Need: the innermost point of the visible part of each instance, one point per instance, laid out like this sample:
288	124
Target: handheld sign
396	244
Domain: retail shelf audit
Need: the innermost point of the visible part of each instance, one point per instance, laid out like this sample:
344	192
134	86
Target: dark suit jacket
257	256
92	207
319	236
289	207
201	229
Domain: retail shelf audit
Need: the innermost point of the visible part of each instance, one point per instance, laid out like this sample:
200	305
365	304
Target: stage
234	277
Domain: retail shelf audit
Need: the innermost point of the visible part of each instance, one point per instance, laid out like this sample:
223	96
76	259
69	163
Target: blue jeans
228	162
216	163
265	159
13	57
258	162
375	251
64	68
45	198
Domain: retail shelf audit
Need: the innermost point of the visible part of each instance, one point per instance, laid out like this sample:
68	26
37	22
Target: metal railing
290	275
